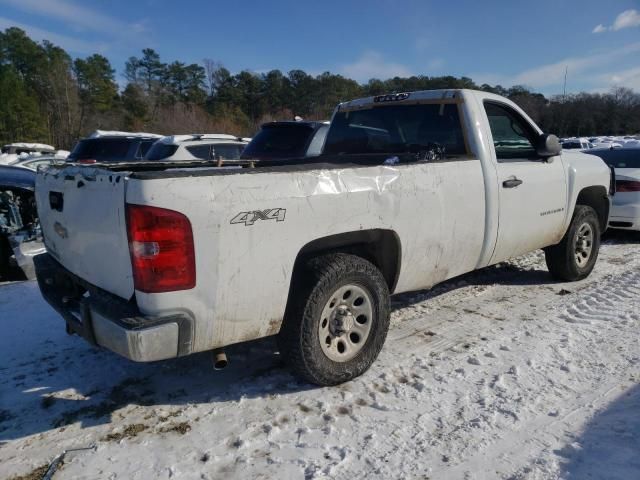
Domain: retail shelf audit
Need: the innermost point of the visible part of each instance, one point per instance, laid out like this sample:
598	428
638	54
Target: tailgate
82	215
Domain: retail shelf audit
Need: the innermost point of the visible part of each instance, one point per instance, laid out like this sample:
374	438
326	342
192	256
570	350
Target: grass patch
126	392
180	428
128	432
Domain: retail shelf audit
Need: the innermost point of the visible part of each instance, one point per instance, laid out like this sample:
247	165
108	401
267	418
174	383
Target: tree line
47	96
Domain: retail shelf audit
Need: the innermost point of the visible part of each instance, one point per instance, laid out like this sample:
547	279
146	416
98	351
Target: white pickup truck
154	261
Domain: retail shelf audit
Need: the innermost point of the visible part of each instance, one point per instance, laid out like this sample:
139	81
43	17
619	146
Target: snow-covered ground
501	373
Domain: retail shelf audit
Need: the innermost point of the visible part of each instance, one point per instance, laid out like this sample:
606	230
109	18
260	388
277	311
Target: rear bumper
109	321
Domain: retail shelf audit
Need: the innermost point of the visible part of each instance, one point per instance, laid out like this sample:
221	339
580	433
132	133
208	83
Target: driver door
533	190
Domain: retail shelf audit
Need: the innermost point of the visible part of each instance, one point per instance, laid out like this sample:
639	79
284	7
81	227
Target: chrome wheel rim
345	323
584	244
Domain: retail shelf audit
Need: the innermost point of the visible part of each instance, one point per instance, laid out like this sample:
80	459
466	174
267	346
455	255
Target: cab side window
511	133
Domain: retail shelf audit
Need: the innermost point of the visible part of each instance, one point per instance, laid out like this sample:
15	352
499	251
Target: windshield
101	149
619	158
396	129
279	141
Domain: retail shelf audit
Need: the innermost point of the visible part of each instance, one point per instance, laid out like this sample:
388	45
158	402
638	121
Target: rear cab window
396	129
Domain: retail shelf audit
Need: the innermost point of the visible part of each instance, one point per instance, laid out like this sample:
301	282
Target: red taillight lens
161	247
627	186
87	161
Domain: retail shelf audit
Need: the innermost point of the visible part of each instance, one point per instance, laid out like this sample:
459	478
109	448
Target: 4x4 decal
249	218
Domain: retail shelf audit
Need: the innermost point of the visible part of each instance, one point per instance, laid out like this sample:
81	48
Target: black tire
561	258
299	337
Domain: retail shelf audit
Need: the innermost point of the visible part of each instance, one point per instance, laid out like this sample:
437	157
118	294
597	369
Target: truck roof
404	97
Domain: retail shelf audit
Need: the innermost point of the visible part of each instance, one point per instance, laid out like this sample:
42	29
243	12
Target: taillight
612	181
161	248
627	186
87	161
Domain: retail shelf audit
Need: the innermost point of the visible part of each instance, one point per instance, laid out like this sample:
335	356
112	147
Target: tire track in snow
617	299
612	298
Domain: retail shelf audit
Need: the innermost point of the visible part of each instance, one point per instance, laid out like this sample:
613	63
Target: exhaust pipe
219	359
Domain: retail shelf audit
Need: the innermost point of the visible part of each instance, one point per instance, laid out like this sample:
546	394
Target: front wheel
575	256
337	319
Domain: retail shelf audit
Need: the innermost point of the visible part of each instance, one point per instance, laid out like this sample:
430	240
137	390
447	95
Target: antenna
564	100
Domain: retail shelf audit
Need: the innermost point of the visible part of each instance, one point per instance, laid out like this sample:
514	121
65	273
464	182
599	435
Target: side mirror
548	145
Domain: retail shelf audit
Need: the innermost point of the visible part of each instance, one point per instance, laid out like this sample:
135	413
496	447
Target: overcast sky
509	43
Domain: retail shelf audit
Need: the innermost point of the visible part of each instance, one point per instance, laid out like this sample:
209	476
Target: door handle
512	183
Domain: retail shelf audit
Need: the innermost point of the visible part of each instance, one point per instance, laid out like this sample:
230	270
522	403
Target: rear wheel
337	319
575	256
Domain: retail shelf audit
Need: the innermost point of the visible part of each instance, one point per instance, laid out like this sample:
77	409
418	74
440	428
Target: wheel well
380	247
596	198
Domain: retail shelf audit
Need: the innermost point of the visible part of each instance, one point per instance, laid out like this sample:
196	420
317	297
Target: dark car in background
280	141
20	234
101	147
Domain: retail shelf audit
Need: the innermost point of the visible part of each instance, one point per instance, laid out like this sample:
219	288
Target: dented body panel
249	226
244	271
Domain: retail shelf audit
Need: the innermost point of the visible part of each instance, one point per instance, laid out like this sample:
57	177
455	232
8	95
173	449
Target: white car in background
13	152
625	211
21	147
197	147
